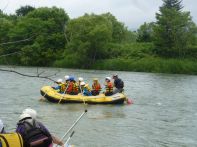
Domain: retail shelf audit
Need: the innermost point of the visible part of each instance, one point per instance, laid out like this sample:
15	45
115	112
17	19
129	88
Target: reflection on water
163	114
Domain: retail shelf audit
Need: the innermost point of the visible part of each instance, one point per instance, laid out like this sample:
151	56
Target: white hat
82	83
24	115
1	126
31	112
59	80
108	78
80	79
66	77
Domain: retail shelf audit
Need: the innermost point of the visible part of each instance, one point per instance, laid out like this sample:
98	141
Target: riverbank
149	64
146	64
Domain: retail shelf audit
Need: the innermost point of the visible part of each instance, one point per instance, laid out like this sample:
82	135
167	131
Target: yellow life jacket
62	87
75	87
11	140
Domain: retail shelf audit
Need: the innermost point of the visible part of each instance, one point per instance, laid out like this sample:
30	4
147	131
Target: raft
53	96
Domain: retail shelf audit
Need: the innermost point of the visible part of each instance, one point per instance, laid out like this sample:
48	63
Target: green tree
24	10
88	36
174	31
130	36
173	4
145	32
43	30
118	29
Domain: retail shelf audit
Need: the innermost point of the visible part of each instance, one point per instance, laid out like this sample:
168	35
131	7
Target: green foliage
173	4
88	36
43	30
174	31
145	32
118	29
46	37
24	10
130	37
149	64
128	50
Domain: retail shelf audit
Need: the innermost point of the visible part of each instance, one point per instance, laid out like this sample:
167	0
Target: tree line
48	37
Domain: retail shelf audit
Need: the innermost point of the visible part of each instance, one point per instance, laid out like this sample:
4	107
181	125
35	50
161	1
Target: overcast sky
132	13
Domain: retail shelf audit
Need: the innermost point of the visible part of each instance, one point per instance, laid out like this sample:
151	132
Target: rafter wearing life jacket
108	86
96	87
73	87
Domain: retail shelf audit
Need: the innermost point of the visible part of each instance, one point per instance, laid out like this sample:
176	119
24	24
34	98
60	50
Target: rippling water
164	112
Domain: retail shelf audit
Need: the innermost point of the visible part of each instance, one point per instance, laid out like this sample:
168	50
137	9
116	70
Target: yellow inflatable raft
53	96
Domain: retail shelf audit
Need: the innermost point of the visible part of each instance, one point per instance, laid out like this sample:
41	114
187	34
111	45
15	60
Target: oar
64	93
66	143
73	125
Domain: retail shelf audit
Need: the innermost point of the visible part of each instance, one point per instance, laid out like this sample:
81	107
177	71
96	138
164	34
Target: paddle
66	143
73	125
64	93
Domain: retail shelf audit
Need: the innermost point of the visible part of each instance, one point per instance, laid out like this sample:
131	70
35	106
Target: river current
164	113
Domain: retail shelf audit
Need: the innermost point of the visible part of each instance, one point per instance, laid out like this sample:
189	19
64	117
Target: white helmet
1	126
24	115
80	79
66	77
59	80
82	83
108	78
31	112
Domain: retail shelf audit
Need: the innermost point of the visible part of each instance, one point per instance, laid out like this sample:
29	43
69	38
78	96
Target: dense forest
48	37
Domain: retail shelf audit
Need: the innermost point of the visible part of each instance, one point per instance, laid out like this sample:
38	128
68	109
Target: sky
132	13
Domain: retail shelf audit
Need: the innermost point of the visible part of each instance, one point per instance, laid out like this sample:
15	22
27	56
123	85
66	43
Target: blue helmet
72	78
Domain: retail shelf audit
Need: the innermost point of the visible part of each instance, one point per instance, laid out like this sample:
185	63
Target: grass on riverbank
149	64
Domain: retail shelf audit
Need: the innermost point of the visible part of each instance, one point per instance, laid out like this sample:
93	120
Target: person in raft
61	86
87	90
73	87
118	84
96	87
66	77
33	132
108	86
80	79
82	84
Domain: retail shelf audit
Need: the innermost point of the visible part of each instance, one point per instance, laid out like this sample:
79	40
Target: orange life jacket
109	87
96	87
72	87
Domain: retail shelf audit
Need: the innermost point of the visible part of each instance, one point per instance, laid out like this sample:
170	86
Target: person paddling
108	86
118	84
61	86
80	79
33	132
87	90
73	87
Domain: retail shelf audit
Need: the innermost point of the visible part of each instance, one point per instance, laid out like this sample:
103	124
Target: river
164	113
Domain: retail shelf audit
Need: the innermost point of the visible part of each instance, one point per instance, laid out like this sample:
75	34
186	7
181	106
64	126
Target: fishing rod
73	125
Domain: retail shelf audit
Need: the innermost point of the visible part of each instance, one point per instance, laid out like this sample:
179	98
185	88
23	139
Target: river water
164	113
